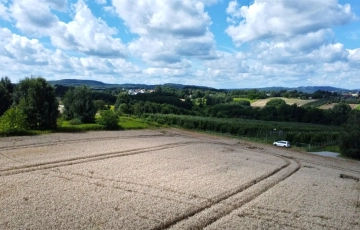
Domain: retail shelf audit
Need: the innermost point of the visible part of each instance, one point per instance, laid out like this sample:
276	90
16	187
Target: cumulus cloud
4	11
35	19
284	19
169	30
88	35
21	49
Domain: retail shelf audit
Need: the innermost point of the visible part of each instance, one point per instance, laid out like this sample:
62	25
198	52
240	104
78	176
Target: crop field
289	101
171	179
331	105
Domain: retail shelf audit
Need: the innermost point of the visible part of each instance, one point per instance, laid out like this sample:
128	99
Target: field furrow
171	179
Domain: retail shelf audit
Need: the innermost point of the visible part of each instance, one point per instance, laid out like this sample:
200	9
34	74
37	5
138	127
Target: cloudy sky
216	43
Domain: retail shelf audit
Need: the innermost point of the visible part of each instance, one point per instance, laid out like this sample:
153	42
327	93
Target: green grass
244	99
135	123
66	127
357	107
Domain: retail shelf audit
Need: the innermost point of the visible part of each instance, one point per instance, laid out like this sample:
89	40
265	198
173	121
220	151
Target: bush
13	121
109	120
75	121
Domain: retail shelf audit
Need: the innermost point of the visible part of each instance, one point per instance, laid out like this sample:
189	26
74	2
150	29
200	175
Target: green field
244	99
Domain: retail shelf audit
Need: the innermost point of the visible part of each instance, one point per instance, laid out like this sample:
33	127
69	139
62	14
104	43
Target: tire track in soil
328	166
225	204
57	142
84	159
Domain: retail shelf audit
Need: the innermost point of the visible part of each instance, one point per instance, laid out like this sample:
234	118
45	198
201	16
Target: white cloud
284	19
88	35
354	58
4	11
21	49
35	19
169	30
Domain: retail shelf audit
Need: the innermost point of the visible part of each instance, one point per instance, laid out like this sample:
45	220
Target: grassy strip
135	123
244	99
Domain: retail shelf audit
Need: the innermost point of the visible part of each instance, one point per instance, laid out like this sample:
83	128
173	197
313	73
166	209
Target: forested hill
100	85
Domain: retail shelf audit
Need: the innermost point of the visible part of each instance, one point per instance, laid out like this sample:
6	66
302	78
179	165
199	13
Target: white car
282	143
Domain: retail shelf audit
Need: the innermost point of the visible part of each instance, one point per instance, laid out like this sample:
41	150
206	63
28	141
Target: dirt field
289	101
159	179
330	106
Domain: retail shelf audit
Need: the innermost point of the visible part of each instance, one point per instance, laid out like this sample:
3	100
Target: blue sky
216	43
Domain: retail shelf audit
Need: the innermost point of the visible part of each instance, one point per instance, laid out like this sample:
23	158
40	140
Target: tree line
33	104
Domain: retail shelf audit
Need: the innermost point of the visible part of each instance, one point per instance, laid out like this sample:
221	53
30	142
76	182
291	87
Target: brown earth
157	179
289	101
331	105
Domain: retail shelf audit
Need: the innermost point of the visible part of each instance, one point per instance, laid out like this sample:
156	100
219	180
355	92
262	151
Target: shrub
109	120
13	121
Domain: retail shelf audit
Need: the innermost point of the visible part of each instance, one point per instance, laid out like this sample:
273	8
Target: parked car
282	144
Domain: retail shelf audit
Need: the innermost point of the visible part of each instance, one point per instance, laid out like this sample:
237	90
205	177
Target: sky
216	43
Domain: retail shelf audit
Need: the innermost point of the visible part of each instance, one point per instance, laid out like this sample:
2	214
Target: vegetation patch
244	99
135	123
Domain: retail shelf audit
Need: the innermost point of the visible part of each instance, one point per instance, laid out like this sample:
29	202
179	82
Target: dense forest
33	104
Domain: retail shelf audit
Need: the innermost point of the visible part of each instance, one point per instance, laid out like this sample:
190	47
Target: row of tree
32	104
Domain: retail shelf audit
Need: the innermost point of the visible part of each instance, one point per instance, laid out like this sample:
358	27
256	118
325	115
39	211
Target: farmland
170	178
289	101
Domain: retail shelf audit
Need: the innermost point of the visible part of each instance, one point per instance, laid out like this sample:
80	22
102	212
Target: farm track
77	141
224	204
84	159
329	166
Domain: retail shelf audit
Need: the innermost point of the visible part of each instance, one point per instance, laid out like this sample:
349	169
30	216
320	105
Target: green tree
350	139
276	102
109	120
6	90
99	105
35	97
122	104
78	104
13	121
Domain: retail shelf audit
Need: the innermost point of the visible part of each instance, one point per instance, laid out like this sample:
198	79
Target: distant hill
101	85
305	89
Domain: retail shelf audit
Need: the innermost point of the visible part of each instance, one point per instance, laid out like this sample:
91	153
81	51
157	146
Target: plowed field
171	179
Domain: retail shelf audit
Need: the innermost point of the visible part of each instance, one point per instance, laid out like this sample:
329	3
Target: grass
244	99
357	107
135	123
125	123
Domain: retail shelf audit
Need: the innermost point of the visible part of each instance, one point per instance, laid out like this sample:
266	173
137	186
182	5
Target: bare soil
289	101
170	178
331	105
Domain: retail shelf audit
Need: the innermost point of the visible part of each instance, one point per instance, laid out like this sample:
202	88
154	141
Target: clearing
171	179
289	101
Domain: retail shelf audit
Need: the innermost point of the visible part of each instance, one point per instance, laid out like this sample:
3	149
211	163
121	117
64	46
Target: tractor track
92	139
224	204
84	159
329	166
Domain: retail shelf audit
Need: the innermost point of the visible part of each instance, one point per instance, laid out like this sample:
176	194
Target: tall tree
350	139
35	97
78	103
6	90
